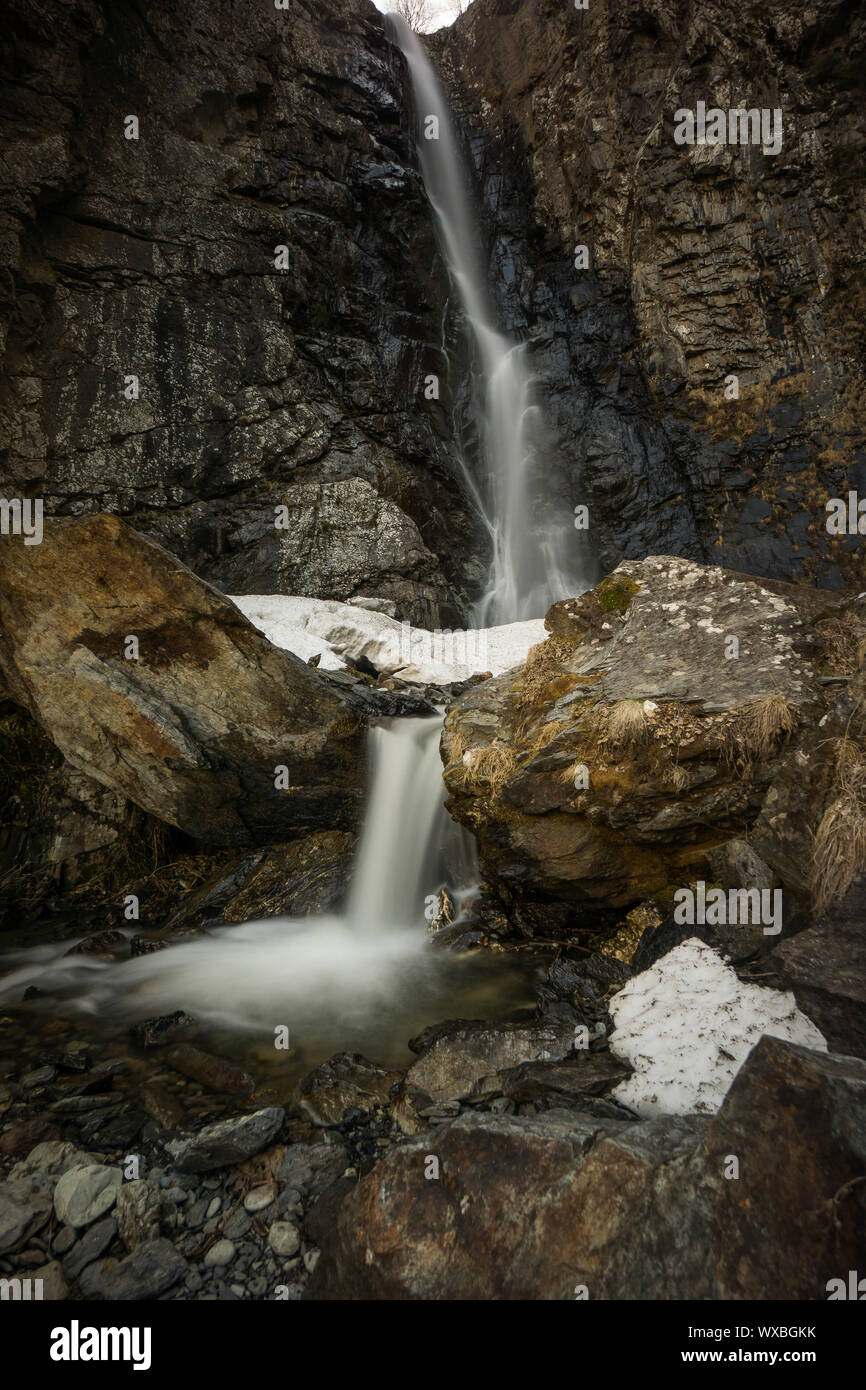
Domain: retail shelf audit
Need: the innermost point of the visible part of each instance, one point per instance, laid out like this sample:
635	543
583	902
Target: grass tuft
626	724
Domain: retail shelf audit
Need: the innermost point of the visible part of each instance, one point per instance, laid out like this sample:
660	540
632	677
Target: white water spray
321	977
530	542
399	855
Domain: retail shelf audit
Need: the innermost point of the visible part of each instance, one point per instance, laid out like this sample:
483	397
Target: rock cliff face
302	387
704	262
154	258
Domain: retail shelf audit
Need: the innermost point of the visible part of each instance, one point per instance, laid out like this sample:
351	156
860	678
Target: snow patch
343	633
688	1023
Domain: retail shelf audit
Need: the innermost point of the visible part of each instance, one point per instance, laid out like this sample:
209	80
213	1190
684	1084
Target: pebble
64	1240
42	1076
238	1224
214	1206
227	1142
196	1214
84	1194
30	1258
92	1244
146	1273
284	1239
220	1254
25	1206
258	1199
54	1287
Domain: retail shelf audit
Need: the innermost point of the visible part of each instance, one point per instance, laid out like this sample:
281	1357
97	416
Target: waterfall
529	570
329	974
398	857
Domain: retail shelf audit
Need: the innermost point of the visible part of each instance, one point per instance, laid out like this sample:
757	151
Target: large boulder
765	1201
194	727
646	735
826	969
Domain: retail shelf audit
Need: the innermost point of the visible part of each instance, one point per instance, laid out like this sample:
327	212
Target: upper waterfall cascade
534	551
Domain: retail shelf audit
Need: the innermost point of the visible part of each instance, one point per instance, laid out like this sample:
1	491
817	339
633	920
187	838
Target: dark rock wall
258	387
303	387
703	262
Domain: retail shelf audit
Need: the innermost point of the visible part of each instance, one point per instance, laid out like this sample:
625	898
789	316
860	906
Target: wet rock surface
257	387
194	727
702	261
194	389
537	1207
660	744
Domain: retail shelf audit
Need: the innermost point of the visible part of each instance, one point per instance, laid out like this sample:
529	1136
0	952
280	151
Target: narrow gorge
433	652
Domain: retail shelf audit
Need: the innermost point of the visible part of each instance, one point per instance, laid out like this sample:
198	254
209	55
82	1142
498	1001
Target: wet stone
92	1244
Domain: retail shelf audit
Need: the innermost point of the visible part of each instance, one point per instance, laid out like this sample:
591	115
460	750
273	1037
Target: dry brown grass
844	644
757	730
839	848
569	773
737	419
626	724
542	667
489	767
455	743
676	777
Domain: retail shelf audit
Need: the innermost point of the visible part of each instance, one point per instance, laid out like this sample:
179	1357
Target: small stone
138	1212
213	1208
64	1240
220	1254
195	1217
258	1198
29	1258
53	1158
162	1107
154	1031
90	1247
311	1259
42	1076
211	1072
238	1224
149	1271
284	1239
54	1286
84	1194
19	1139
25	1206
226	1142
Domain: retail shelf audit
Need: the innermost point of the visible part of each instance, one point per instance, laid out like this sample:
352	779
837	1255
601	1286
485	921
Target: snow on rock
687	1025
344	633
282	622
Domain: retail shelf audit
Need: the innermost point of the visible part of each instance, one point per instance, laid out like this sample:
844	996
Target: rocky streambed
664	1102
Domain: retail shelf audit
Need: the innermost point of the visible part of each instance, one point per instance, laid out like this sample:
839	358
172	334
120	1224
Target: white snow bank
687	1025
282	622
342	633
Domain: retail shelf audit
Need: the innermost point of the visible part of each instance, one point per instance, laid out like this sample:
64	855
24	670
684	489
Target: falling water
529	540
399	856
334	977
